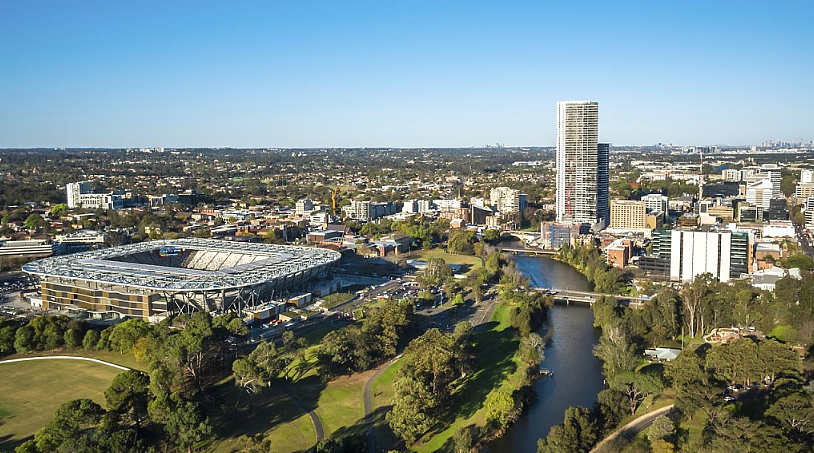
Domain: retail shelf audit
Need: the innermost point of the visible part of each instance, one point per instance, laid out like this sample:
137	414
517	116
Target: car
729	398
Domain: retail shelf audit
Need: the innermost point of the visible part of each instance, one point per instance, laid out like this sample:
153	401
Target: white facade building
693	253
760	192
656	202
807	176
303	207
74	191
577	162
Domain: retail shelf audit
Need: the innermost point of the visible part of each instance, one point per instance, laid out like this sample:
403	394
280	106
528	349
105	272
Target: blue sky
315	74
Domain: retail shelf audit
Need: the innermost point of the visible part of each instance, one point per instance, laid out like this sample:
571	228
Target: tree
69	420
794	412
500	409
413	410
458	300
34	221
736	362
616	351
24	339
532	349
123	336
237	327
90	340
464	439
694	297
58	210
6	338
577	433
777	358
662	446
73	338
254	444
661	428
460	241
636	386
491	235
436	272
128	395
181	420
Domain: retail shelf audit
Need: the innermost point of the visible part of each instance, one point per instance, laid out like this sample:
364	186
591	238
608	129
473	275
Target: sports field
31	391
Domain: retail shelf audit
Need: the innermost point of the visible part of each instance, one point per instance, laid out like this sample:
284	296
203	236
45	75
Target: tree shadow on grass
239	413
8	443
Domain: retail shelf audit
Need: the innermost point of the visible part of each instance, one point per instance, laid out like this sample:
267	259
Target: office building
772	171
807	176
656	203
577	163
760	192
554	235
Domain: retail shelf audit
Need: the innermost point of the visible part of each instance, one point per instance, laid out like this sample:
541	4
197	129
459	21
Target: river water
577	375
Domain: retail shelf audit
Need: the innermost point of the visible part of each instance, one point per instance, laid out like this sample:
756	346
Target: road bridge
524	251
587	297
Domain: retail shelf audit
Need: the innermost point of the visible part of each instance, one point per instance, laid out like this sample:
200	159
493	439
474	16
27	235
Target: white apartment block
577	149
303	207
507	200
74	191
807	176
693	253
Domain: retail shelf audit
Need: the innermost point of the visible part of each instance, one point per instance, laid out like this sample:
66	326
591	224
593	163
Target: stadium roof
253	264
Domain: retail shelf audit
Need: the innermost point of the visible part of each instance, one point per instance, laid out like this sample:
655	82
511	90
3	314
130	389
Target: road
630	430
804	240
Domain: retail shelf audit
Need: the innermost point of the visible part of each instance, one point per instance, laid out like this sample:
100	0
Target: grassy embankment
499	368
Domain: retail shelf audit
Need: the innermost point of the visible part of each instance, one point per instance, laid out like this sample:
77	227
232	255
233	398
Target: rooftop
184	264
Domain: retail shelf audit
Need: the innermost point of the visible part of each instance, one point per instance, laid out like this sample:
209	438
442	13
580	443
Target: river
577	375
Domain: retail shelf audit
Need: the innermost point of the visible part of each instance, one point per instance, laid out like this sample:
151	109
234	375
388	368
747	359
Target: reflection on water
577	373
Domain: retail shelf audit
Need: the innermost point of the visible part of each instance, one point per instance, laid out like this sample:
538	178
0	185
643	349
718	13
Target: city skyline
367	75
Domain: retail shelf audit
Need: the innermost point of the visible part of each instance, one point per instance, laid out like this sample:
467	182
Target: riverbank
570	337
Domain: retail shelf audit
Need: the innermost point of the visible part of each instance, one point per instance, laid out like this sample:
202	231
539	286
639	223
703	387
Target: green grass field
31	391
125	359
472	261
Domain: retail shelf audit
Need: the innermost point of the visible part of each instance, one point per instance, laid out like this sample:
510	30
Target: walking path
632	428
318	429
369	403
66	357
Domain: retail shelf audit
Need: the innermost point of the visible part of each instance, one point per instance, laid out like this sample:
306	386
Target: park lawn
30	392
472	261
338	403
501	369
695	427
127	359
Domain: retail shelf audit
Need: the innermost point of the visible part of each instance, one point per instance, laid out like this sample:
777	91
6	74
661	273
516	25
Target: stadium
150	280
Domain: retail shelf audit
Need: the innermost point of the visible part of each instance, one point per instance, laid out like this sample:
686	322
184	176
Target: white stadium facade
150	280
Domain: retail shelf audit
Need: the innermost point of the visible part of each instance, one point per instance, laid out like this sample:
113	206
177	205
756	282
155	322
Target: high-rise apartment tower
582	165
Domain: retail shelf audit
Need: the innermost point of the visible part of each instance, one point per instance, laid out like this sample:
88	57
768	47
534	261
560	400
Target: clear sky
389	73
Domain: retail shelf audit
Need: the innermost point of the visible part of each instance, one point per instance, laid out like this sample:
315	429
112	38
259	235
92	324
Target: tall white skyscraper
578	162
